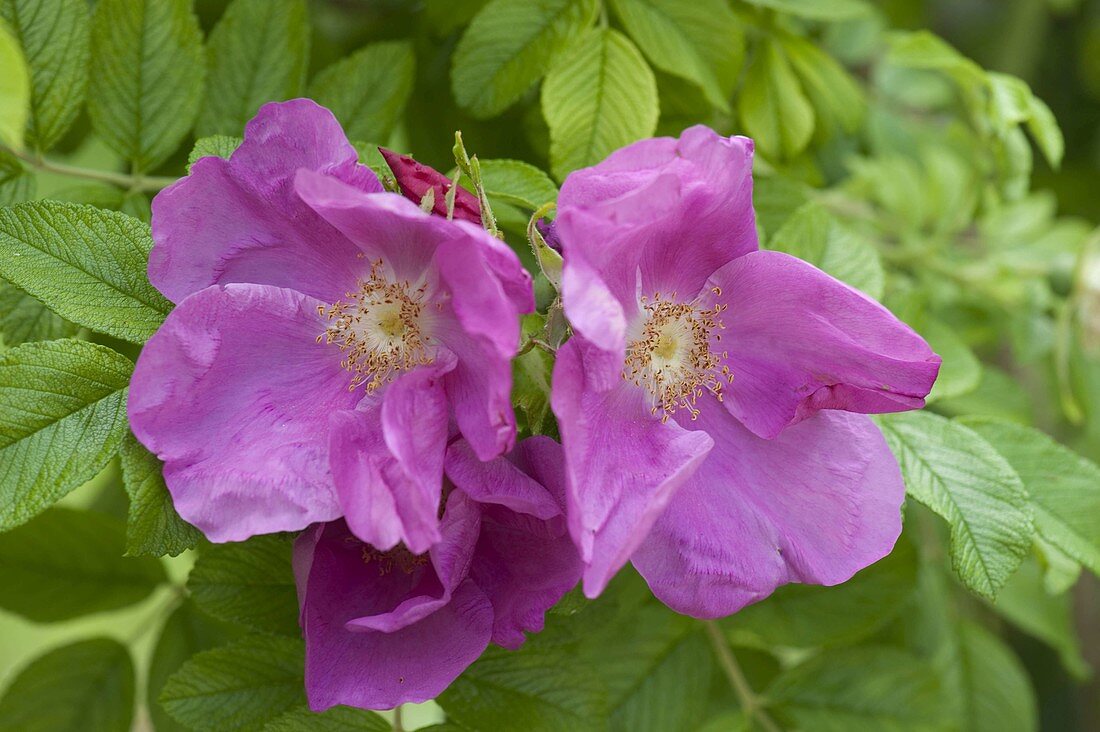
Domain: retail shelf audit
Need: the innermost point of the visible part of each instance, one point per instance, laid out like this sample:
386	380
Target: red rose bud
416	179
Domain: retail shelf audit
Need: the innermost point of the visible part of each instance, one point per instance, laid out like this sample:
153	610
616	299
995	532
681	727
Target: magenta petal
239	220
624	465
800	341
234	394
387	460
814	505
501	481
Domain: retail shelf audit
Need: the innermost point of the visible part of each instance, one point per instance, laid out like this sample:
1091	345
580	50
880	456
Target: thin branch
750	702
122	180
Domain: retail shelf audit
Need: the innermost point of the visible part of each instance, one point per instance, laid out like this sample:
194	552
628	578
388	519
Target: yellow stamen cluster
379	329
672	357
399	557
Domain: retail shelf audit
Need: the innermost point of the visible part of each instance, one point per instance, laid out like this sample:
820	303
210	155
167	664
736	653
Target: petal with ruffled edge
387	460
234	394
623	464
239	220
370	668
502	481
814	505
800	341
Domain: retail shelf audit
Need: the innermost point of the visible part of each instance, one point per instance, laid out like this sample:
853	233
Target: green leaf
508	47
86	264
15	90
517	183
1044	128
186	632
24	319
961	372
952	470
700	41
997	395
66	563
17	184
1063	487
533	689
251	583
258	52
926	51
336	719
218	146
83	687
806	616
368	90
63	407
238	687
54	36
864	688
818	9
997	695
599	97
773	107
835	95
814	235
153	527
147	77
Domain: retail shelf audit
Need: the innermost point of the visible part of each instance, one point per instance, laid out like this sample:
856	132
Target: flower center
672	358
379	328
399	557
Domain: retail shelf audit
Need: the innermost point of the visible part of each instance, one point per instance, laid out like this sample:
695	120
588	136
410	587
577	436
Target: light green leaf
218	146
1044	128
806	616
65	564
153	527
336	719
239	687
997	395
1063	487
599	97
773	107
952	470
84	687
368	90
863	688
251	583
63	407
15	90
86	264
815	236
24	319
17	184
700	41
258	52
926	51
818	9
961	372
508	47
517	183
835	95
996	694
146	77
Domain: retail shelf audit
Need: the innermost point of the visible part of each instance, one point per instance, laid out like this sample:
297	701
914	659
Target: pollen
379	328
673	357
398	557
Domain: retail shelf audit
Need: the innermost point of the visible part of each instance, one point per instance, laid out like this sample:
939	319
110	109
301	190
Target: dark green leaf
16	182
336	719
997	695
368	90
153	527
24	319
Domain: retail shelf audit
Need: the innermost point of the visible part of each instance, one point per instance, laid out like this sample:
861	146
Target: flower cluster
339	363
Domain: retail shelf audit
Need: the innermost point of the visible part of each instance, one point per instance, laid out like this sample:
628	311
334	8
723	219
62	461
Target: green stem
122	180
398	724
750	702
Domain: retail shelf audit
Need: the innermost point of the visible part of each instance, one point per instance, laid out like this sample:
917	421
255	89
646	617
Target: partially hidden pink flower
328	340
385	628
706	399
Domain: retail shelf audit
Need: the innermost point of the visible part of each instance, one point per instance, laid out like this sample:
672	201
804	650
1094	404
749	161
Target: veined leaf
85	264
24	319
368	90
775	110
153	528
996	694
518	183
599	97
220	146
818	9
17	184
15	90
835	95
336	719
62	417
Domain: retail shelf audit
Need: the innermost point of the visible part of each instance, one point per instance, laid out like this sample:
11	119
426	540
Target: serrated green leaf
952	470
772	105
996	693
54	36
239	687
258	52
153	527
599	97
863	688
85	264
251	583
83	687
146	77
534	689
15	90
818	9
509	46
517	183
66	563
700	41
368	90
807	616
960	372
336	719
24	319
218	146
186	632
62	417
835	95
1063	487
